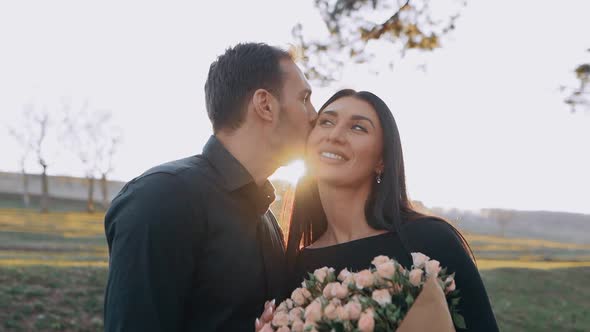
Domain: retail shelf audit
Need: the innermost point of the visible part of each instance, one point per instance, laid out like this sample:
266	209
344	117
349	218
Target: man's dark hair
234	77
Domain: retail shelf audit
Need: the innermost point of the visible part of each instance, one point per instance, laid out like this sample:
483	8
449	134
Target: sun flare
291	173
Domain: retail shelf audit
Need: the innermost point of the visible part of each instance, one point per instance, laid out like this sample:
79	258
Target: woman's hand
262	324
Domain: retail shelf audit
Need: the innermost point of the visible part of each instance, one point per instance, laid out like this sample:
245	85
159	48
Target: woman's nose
336	134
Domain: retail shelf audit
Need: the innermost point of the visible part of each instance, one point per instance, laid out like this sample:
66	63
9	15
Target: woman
354	206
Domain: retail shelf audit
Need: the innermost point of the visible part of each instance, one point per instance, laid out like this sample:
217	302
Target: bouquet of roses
386	297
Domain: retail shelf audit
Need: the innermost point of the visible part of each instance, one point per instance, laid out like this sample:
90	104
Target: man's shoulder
178	167
188	170
186	175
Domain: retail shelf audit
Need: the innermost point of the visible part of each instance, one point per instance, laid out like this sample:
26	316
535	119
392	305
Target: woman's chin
333	178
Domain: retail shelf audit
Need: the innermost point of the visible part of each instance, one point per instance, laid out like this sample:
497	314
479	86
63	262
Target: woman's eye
360	128
324	122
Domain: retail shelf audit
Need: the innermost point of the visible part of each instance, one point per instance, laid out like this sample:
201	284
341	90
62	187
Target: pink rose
284	329
298	297
342	314
296	314
432	268
344	274
306	293
322	273
380	260
289	304
419	259
381	296
386	270
267	328
339	291
280	318
282	307
451	284
313	312
366	322
354	310
298	326
327	292
416	277
330	311
363	279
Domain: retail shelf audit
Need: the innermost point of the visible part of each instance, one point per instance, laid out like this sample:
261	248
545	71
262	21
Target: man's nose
313	114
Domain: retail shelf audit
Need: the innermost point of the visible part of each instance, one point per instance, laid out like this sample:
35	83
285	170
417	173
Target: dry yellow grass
82	226
49	262
490	264
67	224
522	242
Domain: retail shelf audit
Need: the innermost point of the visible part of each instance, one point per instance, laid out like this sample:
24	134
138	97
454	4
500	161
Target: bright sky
484	126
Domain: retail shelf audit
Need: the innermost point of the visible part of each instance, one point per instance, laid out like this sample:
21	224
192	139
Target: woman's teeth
332	156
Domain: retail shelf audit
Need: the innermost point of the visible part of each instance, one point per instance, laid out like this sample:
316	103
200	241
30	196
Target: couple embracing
193	245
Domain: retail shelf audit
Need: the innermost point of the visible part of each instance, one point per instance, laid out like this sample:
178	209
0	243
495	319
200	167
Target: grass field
70	299
53	270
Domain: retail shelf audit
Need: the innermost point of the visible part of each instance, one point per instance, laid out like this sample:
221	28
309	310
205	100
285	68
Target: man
192	243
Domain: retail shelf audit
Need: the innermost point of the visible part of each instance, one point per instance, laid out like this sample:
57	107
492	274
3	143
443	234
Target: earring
379	177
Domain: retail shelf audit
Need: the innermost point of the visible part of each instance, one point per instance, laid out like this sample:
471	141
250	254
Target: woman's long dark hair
387	207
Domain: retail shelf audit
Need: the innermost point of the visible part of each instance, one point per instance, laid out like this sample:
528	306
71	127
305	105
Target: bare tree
107	150
33	135
353	24
24	136
89	135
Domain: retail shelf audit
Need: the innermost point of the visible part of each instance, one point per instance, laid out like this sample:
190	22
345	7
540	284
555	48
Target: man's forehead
295	75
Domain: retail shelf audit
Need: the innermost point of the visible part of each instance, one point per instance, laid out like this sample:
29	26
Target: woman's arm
438	240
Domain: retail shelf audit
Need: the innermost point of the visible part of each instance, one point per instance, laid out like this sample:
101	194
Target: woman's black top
432	237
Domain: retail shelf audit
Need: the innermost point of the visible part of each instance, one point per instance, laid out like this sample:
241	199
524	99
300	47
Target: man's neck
256	157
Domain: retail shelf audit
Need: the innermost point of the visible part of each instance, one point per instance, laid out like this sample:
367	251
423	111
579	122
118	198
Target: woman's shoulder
428	224
431	232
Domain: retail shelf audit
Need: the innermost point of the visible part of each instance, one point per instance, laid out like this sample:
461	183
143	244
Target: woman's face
345	146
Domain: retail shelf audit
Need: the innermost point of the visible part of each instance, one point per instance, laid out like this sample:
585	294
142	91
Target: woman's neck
345	213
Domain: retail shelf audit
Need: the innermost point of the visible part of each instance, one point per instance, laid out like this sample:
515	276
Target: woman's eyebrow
360	117
354	117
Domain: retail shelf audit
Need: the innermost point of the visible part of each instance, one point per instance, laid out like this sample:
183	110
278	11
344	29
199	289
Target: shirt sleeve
437	239
153	235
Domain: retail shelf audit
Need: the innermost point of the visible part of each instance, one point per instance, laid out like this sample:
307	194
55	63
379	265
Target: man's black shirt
193	247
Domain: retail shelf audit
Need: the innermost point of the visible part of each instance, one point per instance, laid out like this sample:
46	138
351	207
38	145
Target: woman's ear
380	167
264	105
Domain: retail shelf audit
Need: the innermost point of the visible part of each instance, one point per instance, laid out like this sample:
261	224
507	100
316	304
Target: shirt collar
234	174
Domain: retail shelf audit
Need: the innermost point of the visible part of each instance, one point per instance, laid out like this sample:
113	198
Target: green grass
534	300
39	298
70	299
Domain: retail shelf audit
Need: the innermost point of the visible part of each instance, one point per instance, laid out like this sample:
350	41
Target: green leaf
409	299
459	320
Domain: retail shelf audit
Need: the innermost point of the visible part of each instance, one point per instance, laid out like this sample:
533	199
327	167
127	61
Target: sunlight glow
291	173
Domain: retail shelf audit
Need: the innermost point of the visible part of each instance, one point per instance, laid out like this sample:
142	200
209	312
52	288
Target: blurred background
492	100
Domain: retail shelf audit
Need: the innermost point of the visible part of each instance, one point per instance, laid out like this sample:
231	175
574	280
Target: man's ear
264	105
